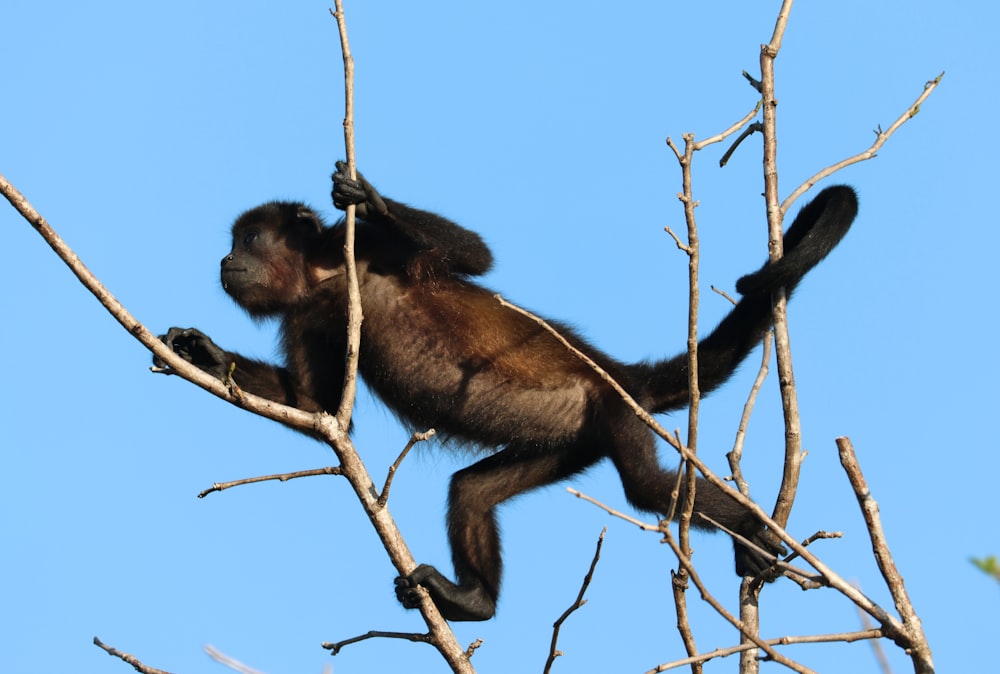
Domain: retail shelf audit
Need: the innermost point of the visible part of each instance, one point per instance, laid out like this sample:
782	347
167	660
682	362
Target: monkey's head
268	271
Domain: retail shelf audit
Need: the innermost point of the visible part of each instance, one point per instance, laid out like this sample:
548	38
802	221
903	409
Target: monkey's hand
366	199
753	562
195	347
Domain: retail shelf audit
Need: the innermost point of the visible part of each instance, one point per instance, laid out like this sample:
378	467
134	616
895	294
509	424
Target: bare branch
880	138
130	659
280	477
756	127
645	526
334	647
355	314
779	307
911	634
679	579
680	244
736	455
753	81
414	439
846	637
580	601
719	137
723	293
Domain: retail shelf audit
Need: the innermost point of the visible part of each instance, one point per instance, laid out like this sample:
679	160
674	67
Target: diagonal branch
880	138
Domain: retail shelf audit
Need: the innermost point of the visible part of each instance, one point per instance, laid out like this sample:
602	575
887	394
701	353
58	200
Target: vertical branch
694	257
354	312
441	635
786	377
680	577
749	593
692	248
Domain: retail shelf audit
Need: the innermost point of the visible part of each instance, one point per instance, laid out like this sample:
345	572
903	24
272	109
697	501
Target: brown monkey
440	351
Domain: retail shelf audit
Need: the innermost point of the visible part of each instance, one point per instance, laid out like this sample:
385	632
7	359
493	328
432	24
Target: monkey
441	352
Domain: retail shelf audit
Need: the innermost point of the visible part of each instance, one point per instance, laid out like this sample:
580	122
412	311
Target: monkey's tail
816	231
818	228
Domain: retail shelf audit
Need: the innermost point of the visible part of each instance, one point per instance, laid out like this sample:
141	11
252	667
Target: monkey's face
265	272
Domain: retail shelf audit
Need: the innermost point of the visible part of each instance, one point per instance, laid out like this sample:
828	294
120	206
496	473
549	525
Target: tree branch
580	601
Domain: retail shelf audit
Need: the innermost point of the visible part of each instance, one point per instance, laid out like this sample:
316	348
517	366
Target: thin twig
473	647
756	127
754	82
880	138
355	314
130	659
677	240
280	477
846	637
719	137
723	293
334	647
414	439
736	455
580	601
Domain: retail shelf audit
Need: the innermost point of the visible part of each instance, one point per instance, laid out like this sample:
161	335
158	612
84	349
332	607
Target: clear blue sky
140	130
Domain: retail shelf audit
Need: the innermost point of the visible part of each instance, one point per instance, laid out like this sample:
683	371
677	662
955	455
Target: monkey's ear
307	221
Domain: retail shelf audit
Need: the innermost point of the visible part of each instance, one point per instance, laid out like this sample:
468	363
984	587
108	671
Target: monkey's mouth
228	274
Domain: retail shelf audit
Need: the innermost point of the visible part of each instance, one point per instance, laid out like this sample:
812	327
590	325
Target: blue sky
141	130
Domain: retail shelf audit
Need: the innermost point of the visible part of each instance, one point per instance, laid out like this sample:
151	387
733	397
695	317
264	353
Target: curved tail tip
841	196
817	229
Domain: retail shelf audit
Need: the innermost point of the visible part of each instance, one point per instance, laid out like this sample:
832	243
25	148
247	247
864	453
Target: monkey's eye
250	237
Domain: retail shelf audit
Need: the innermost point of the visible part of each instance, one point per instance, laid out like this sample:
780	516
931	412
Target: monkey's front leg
253	376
